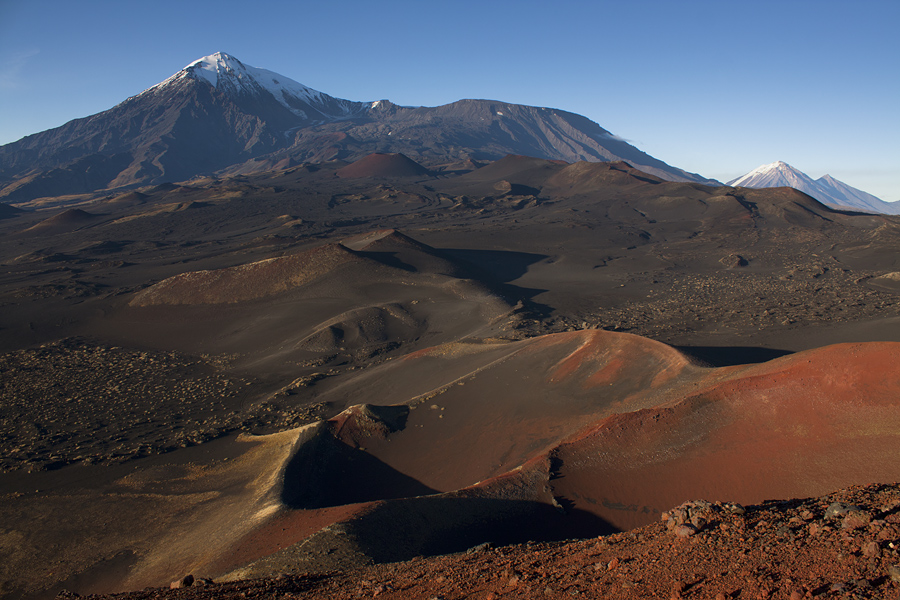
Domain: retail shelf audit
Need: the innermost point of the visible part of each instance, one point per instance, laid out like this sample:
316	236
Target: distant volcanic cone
383	165
72	218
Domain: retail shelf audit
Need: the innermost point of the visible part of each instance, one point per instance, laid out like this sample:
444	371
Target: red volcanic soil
613	428
801	424
383	165
843	545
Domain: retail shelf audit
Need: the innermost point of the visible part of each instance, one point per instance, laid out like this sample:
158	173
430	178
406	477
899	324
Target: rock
862	584
838	509
483	547
856	518
894	573
734	508
186	581
872	549
733	261
696	515
685	531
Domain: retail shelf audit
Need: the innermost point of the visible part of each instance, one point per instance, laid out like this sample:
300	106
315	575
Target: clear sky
716	87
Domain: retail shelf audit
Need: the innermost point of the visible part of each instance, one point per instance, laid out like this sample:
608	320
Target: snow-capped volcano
232	77
826	189
777	174
219	115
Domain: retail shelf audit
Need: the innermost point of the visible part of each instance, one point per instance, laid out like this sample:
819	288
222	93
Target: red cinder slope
798	425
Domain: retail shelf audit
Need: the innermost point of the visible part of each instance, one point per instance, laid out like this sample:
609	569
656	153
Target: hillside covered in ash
338	366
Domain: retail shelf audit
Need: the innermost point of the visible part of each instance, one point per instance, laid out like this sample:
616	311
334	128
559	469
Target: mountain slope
850	196
212	113
826	189
219	113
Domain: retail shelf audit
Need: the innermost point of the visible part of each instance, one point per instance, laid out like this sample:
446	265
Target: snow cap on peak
776	174
778	165
238	80
219	58
212	66
229	75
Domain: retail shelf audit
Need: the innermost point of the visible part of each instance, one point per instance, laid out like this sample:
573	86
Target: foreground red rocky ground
843	545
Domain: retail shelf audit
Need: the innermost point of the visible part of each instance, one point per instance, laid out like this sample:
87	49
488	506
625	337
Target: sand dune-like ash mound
246	282
585	178
387	239
606	430
510	174
525	170
393	247
131	198
366	330
381	249
383	165
72	218
330	304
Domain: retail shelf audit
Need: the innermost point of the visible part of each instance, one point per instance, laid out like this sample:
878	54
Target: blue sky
714	87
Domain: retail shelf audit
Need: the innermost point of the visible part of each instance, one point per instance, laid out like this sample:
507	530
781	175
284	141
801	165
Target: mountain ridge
218	113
